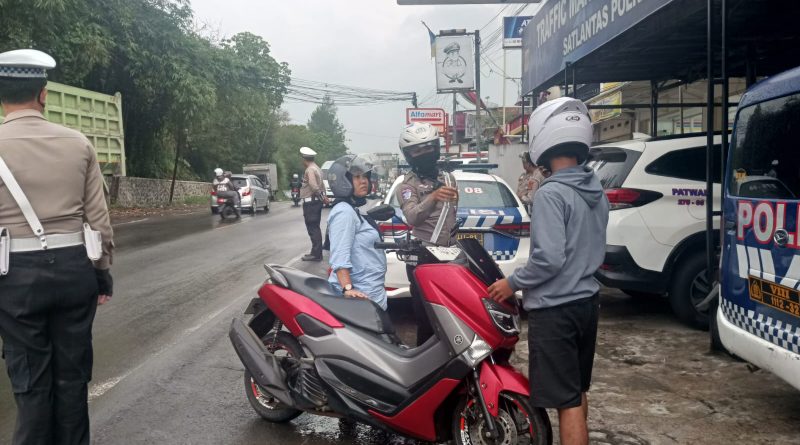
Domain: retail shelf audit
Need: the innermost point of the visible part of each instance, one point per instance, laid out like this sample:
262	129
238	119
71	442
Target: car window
480	194
239	182
765	159
689	163
257	182
612	165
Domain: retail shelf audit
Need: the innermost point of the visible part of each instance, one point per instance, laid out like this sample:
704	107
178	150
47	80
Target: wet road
165	371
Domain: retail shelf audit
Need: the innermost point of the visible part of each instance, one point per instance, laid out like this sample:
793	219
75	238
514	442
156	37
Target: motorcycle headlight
506	321
477	351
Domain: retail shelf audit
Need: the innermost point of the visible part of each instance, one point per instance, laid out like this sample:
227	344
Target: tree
328	133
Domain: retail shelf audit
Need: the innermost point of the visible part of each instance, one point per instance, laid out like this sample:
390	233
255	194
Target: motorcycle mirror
382	212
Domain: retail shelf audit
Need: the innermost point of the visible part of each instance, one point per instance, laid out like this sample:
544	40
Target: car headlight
477	351
506	321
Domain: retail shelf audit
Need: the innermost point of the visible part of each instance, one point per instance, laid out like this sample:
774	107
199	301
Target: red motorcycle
308	349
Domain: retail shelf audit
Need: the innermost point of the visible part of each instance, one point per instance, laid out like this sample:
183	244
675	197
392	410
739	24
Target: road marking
97	390
129	222
233	225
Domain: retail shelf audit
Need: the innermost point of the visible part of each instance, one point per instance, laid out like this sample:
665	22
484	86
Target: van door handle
730	225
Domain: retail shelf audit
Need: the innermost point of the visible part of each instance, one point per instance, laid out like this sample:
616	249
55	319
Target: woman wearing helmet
428	199
358	270
568	243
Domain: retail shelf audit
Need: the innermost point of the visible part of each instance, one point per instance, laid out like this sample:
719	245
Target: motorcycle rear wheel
268	407
517	423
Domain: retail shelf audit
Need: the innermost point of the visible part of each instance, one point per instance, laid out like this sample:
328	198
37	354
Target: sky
366	43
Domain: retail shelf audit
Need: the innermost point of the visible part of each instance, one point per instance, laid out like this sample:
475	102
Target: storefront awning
627	40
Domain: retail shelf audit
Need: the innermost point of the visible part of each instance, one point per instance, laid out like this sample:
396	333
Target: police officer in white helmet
568	240
428	198
54	266
312	194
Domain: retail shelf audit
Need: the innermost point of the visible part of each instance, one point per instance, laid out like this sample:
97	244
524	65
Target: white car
656	238
325	166
255	195
491	213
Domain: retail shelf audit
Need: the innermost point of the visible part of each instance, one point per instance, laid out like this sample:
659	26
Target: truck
98	116
268	173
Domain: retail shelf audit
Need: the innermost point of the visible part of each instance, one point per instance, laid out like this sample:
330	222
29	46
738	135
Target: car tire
688	287
266	207
253	206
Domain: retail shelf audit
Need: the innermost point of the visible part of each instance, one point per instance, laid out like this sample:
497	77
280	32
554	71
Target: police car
491	213
656	235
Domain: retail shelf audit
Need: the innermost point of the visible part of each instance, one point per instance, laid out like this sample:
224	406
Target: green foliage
218	100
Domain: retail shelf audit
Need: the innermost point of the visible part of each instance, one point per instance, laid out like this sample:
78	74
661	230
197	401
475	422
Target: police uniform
423	216
312	193
527	185
49	295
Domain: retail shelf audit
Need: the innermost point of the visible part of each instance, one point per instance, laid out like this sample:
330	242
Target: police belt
311	199
54	241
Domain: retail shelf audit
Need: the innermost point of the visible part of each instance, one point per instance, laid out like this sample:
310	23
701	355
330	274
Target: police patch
406	193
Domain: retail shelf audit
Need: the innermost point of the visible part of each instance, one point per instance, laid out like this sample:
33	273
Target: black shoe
310	257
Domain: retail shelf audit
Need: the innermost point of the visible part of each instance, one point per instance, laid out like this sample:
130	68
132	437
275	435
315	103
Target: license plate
470	235
783	298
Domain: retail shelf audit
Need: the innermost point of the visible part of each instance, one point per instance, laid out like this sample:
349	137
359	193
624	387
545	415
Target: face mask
425	165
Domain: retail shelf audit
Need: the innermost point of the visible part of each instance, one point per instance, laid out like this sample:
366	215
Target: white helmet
218	171
559	127
307	152
418	133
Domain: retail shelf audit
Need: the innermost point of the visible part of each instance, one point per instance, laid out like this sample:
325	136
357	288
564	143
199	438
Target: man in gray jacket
568	238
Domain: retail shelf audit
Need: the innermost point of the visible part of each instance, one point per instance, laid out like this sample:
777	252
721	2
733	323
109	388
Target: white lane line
129	222
233	225
97	390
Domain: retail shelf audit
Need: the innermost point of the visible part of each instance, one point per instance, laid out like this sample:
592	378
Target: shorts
561	341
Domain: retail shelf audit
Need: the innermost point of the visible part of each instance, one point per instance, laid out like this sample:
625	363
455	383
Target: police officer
312	193
529	181
428	199
50	292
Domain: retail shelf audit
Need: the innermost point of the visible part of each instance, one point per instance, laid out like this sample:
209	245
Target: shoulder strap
22	201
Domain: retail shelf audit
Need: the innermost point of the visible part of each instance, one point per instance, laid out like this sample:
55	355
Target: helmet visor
417	150
360	166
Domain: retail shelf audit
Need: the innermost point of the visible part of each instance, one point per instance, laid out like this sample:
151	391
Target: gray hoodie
568	240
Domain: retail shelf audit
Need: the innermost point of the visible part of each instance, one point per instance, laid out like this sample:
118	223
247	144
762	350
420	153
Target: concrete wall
509	164
126	191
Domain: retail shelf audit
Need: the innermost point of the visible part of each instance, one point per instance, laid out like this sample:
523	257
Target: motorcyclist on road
428	198
295	182
225	189
358	270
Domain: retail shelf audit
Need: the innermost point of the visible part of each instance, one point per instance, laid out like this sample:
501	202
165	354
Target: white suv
656	239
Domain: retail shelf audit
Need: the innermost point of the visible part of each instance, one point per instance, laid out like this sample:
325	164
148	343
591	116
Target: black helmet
340	174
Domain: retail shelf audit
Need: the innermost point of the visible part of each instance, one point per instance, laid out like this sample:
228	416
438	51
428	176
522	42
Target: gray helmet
340	174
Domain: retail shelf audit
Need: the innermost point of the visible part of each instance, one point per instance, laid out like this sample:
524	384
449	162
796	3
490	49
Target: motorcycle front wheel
268	407
517	423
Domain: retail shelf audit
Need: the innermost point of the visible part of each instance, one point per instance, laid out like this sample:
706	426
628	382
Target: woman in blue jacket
358	269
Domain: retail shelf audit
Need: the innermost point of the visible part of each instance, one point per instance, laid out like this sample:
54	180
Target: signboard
470	129
455	63
567	30
512	30
614	98
434	116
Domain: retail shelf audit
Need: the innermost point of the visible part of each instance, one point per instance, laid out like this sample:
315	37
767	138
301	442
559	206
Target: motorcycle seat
357	312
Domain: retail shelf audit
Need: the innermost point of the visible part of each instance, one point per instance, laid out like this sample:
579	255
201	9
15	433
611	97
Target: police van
758	316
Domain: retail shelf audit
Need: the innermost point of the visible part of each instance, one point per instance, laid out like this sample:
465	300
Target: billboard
434	116
455	63
566	31
512	30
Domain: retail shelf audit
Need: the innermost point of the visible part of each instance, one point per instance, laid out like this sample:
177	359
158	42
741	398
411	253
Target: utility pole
414	99
478	129
455	135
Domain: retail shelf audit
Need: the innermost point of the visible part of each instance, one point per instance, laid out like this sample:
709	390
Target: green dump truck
96	115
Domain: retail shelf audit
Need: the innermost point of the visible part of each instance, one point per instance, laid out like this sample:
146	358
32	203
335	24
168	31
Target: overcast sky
365	43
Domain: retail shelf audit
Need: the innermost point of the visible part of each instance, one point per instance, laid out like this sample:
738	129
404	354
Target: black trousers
47	305
312	214
424	327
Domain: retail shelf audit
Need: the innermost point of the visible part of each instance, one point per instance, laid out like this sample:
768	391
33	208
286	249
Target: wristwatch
347	287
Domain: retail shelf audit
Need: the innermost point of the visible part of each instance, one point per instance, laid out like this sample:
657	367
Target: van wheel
688	288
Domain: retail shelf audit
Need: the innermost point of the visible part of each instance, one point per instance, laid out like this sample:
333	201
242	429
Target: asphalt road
165	371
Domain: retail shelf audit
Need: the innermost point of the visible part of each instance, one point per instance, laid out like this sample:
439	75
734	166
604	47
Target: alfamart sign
567	30
434	116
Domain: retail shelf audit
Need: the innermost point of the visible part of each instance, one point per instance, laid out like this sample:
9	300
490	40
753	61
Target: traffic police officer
428	199
312	193
49	288
529	181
